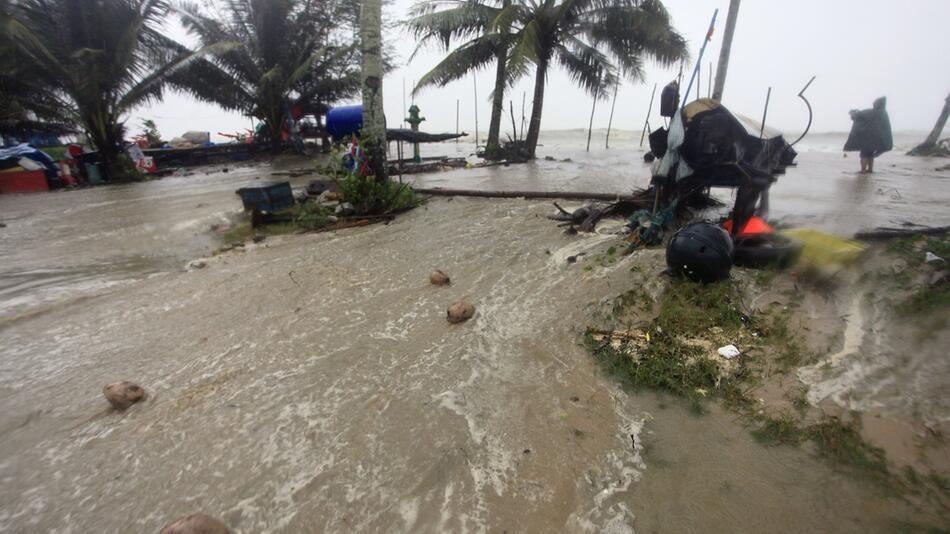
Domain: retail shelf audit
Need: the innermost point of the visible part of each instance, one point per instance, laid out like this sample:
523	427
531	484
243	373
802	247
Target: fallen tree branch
595	215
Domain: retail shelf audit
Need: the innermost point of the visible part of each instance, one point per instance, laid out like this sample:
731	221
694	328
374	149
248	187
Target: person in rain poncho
870	134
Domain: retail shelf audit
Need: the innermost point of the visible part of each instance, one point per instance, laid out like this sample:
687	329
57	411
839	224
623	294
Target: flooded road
311	383
824	190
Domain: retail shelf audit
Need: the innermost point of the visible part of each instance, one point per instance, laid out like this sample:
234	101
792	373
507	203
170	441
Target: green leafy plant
313	216
364	191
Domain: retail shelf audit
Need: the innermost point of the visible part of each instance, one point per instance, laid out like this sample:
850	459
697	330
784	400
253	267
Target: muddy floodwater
311	383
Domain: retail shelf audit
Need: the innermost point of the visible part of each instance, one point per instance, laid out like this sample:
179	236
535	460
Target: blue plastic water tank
344	121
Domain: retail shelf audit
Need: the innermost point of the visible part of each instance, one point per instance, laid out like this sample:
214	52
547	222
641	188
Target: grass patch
939	246
842	443
784	344
834	440
800	401
926	300
778	430
687	307
665	364
904	246
238	233
674	353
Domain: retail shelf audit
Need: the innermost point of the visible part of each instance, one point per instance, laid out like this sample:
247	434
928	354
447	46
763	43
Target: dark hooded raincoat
871	131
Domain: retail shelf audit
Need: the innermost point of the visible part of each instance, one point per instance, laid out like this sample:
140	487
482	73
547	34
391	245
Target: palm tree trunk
101	132
273	128
934	136
374	124
726	49
534	126
497	106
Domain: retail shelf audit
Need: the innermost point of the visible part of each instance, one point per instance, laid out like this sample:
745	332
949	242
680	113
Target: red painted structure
23	182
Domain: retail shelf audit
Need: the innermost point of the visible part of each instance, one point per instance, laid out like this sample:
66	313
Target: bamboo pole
699	80
765	112
702	50
646	122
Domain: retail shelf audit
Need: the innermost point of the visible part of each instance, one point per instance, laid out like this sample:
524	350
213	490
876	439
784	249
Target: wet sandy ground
311	383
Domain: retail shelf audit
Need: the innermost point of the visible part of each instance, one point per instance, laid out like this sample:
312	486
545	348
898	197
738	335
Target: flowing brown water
311	383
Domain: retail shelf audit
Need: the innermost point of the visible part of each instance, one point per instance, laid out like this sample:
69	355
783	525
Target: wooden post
456	120
709	86
611	121
726	49
514	128
523	96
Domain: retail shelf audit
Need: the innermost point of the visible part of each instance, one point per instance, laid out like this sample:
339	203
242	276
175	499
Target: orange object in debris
755	225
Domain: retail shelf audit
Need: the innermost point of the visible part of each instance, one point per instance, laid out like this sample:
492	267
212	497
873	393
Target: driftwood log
892	233
566	195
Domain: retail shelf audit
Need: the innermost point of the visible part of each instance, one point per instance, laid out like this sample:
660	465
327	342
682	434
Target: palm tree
573	33
374	123
930	144
96	60
443	21
279	43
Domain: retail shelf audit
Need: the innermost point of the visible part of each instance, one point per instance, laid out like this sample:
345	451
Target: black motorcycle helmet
700	251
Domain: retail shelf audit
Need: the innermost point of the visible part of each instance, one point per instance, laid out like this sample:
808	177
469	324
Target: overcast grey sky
858	49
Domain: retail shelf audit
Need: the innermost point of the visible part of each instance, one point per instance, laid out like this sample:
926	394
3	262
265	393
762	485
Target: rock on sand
123	394
439	278
195	524
460	311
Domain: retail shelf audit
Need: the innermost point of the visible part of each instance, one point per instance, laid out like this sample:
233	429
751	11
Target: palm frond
586	66
473	55
151	85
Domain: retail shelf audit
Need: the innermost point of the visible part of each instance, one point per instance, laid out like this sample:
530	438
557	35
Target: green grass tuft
688	307
780	430
843	444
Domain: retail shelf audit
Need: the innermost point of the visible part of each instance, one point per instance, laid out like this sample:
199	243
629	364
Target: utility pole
725	50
